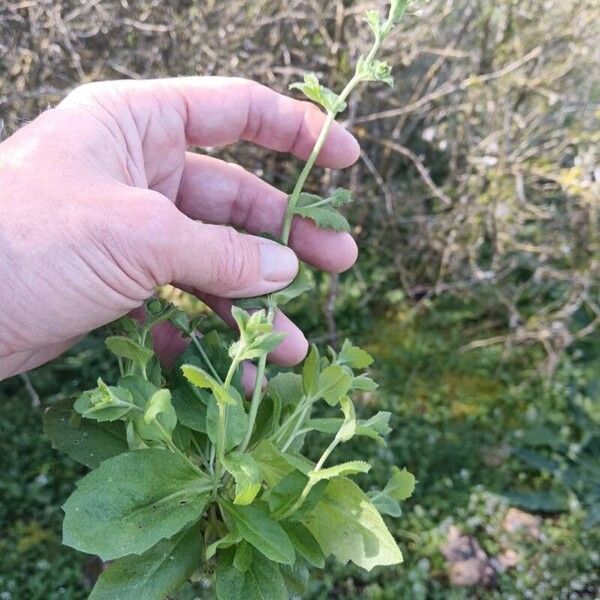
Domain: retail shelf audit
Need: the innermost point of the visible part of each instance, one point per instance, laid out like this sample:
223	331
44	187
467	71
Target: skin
101	201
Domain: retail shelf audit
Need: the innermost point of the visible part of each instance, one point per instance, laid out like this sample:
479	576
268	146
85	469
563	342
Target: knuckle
235	267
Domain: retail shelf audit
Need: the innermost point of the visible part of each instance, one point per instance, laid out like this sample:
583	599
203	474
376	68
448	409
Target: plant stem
293	200
221	425
205	358
257	392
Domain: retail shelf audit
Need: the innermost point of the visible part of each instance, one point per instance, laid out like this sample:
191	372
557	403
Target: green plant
189	478
566	451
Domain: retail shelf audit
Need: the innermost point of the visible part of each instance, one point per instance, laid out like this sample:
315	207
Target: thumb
221	261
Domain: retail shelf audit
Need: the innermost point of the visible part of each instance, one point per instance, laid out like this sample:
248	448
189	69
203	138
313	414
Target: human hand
100	202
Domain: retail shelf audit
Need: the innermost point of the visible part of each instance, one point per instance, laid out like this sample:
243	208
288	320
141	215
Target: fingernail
278	263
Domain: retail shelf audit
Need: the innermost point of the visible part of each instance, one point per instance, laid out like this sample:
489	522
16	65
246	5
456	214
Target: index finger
216	111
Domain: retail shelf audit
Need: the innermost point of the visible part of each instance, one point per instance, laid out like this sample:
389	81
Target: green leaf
140	389
296	579
247	476
364	384
299	286
216	352
546	501
191	411
376	426
236	424
105	403
286	389
271	462
348	428
155	574
159	403
374	20
132	501
200	378
353	356
255	525
127	348
256	335
318	93
85	441
334	383
385	505
310	372
321	212
346	524
231	539
284	494
402	484
305	543
397	10
159	418
261	581
400	487
243	557
348	468
375	70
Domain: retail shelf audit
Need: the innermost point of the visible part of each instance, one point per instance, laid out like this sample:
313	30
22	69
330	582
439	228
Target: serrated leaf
340	197
200	378
132	501
334	383
346	524
375	70
364	384
85	441
255	525
400	487
353	356
318	93
325	217
247	476
305	543
261	581
402	484
352	467
155	574
310	372
127	348
374	20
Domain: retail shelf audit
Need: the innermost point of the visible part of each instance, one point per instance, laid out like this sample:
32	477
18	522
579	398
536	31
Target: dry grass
479	174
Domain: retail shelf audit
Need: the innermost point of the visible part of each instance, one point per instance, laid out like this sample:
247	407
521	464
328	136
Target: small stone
519	520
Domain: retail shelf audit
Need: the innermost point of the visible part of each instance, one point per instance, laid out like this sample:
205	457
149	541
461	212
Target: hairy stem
257	392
